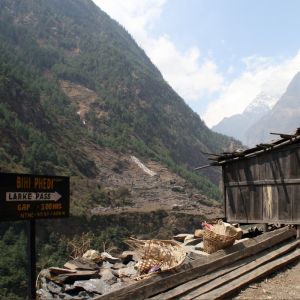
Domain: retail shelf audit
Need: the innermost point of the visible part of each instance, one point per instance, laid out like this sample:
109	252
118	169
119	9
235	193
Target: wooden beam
206	166
164	281
264	146
212	154
228	289
284	135
186	287
213	158
222	280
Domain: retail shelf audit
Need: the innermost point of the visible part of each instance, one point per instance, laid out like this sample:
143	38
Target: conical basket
166	254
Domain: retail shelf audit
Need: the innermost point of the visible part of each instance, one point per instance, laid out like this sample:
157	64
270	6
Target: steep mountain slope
78	97
283	118
237	125
83	80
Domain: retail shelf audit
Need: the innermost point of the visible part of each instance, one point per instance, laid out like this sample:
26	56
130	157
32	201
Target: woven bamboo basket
166	254
213	242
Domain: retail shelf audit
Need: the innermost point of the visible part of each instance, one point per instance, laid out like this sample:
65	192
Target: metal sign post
31	197
32	259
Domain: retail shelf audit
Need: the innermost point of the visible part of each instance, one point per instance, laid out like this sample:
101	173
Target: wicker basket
166	254
213	242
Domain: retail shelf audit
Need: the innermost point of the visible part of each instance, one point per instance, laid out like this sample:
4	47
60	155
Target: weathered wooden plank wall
264	188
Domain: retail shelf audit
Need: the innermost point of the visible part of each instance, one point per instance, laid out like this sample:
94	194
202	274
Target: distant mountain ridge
284	117
237	125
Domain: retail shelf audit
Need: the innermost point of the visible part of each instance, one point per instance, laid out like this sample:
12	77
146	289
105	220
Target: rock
118	285
117	266
44	294
81	264
45	273
131	263
127	256
192	242
69	297
57	271
70	288
180	237
199	246
108	276
79	275
107	257
43	283
115	272
53	287
93	255
65	296
127	280
188	237
85	295
239	233
93	285
127	272
198	233
178	188
78	295
106	265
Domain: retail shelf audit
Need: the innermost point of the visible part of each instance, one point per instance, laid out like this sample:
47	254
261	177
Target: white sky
212	88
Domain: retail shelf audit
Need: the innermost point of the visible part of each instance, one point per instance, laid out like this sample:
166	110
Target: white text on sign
30	196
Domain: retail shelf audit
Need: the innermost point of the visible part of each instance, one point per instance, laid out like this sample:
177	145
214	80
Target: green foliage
75	41
52	251
200	182
44	42
99	197
41	156
13	263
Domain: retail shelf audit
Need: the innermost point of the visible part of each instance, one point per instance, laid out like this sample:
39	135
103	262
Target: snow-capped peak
262	102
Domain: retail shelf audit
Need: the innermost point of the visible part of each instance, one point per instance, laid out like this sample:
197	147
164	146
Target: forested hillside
78	97
43	42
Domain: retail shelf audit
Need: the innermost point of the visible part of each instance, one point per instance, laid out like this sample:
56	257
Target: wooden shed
262	184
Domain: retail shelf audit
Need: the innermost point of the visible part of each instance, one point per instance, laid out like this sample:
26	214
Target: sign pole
31	197
32	259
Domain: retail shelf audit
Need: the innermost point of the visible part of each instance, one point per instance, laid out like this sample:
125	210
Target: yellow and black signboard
28	197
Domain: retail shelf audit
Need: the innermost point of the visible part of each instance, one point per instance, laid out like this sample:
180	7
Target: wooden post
224	191
32	260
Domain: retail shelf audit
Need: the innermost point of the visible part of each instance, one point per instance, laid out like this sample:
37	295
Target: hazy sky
216	54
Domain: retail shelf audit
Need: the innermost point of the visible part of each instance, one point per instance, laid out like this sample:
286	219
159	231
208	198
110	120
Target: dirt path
284	284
